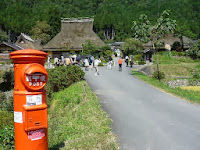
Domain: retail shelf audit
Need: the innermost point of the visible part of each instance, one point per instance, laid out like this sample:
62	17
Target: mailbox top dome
28	52
28	55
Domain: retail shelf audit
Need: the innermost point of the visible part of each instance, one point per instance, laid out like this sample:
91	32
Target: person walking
120	61
126	60
62	60
131	61
86	62
109	65
96	63
49	62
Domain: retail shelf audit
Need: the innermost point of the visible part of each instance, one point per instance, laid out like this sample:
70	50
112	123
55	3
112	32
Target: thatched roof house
26	41
169	40
74	32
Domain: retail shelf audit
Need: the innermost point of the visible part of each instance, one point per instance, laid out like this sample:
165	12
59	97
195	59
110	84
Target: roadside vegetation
76	121
176	66
75	118
6	111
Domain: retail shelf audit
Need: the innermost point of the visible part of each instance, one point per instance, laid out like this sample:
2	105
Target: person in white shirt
86	62
126	60
96	63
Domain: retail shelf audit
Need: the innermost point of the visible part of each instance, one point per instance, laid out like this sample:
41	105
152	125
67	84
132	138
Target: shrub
6	102
141	63
106	55
196	73
7	118
7	137
194	51
138	57
8	80
155	75
61	77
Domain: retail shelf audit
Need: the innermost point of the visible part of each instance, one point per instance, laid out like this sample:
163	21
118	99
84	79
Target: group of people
71	60
128	60
91	62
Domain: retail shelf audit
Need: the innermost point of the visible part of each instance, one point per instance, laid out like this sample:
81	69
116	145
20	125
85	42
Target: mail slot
35	117
30	108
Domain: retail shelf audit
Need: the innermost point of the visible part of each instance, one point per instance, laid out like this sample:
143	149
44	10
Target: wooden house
6	48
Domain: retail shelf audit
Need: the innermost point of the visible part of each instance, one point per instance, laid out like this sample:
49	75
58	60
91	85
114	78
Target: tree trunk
157	60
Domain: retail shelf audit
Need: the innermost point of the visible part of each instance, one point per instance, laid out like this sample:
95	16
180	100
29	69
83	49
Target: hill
113	18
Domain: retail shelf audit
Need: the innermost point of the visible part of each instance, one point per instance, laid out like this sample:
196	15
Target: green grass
175	66
76	121
6	130
193	96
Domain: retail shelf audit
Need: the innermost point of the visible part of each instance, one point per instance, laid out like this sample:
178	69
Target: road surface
145	118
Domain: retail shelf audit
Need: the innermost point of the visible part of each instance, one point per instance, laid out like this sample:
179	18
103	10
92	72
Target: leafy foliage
132	46
159	75
62	77
54	20
142	28
8	80
41	31
6	130
7	137
3	36
6	102
89	48
194	51
113	18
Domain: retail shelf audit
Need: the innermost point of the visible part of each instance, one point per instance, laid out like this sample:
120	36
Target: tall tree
41	31
163	26
132	46
141	28
54	20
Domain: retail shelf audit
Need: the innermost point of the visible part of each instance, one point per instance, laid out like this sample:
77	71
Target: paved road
145	118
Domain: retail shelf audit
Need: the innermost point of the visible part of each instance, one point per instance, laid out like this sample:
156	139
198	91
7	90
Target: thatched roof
26	41
170	39
74	32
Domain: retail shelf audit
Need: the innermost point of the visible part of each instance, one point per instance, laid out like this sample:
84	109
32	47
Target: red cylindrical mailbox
30	108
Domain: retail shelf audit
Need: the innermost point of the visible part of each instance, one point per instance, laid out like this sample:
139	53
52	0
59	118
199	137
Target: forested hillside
112	18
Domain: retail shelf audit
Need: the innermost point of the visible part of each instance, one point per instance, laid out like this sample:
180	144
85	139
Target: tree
163	26
142	28
89	48
3	36
132	46
41	31
54	20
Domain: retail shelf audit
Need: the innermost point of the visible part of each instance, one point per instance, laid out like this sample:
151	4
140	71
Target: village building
169	41
26	41
6	48
74	33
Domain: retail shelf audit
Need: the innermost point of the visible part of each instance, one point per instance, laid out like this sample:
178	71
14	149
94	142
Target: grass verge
193	96
76	121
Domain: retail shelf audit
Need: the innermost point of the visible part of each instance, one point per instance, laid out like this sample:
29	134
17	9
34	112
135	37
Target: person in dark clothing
131	61
126	60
